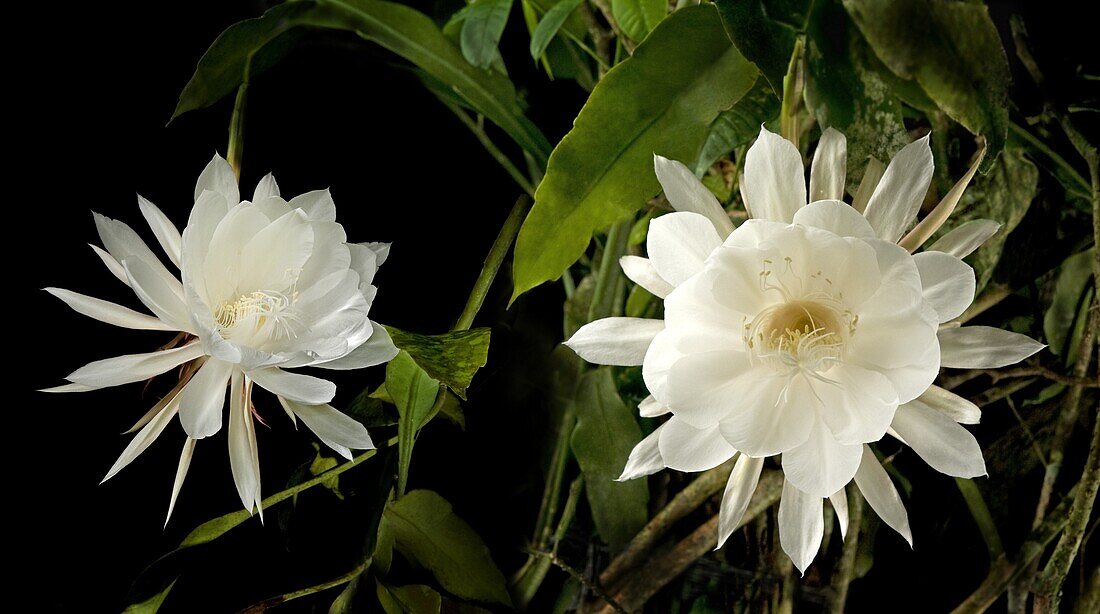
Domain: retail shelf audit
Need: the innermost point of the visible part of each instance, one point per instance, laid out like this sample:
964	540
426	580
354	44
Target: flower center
800	335
259	315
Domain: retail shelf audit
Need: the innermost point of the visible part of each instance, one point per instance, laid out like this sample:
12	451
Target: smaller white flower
806	332
267	285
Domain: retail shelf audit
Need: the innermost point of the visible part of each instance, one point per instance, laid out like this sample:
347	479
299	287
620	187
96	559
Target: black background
94	85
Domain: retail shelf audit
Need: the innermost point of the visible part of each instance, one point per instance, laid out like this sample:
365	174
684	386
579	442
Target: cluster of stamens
257	312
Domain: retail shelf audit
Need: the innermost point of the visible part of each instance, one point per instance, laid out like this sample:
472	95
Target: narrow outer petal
686	193
163	229
894	205
642	272
940	441
984	347
106	311
338	430
827	172
294	386
738	493
774	186
801	525
965	238
203	398
881	495
645	458
615	341
181	474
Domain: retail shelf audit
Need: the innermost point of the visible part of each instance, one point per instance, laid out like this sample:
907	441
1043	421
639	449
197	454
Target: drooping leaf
550	24
605	434
452	358
401	29
765	41
738	124
660	100
1003	195
411	599
426	531
637	18
1072	287
482	29
152	604
414	392
952	50
844	89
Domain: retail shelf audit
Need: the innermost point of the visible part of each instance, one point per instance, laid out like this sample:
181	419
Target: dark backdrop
94	91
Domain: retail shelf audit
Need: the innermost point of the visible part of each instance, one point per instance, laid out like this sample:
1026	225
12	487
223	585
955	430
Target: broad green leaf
152	604
765	41
414	392
400	29
952	50
844	89
426	531
482	29
550	24
605	434
452	358
637	18
412	599
1072	287
661	100
738	124
1003	195
345	602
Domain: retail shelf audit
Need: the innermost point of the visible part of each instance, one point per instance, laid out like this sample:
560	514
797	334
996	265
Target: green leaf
371	411
844	89
1003	195
401	29
152	604
414	392
548	27
605	434
637	18
428	533
482	29
738	124
952	50
766	42
452	358
660	100
1072	286
346	601
412	599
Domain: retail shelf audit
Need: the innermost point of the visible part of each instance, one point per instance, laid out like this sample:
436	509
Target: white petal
836	216
951	405
774	185
857	404
678	243
70	388
133	367
338	430
965	238
379	348
984	347
839	499
738	493
765	421
276	253
645	458
642	272
265	189
181	474
364	261
827	172
948	283
219	177
161	404
294	386
651	408
161	296
821	466
659	359
382	250
163	229
686	448
881	495
108	312
143	439
112	265
202	399
937	216
897	199
704	387
686	193
243	454
123	243
615	341
801	525
317	204
872	175
939	440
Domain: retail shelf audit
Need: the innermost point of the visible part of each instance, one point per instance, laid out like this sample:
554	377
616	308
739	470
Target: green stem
493	262
980	511
479	131
1033	142
792	94
235	150
266	604
603	296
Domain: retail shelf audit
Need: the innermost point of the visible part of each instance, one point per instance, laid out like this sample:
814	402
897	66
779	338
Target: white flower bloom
267	285
807	332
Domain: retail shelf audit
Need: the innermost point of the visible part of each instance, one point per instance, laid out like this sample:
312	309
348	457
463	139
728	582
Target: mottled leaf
452	358
1072	290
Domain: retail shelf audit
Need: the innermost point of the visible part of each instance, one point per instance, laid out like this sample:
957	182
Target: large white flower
806	332
267	285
